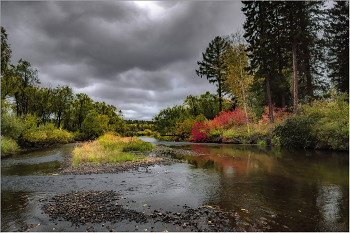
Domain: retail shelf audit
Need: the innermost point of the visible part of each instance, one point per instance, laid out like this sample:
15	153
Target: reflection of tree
329	202
12	208
275	181
25	169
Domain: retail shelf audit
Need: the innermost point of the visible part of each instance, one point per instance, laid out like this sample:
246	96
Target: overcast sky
139	56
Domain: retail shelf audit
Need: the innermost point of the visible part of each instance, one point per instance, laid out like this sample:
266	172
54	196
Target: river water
295	190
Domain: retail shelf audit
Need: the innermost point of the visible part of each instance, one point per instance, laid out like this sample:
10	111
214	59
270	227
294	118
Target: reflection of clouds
328	201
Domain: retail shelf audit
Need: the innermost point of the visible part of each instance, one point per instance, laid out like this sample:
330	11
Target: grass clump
110	148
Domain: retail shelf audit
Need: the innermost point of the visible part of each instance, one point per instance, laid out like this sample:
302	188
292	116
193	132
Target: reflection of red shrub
198	132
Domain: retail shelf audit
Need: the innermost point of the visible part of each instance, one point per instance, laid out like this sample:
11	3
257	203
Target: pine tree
212	65
337	34
258	35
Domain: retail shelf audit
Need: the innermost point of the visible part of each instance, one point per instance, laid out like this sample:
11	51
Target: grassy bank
110	148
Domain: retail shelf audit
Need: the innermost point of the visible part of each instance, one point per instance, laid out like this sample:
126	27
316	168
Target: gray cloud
137	58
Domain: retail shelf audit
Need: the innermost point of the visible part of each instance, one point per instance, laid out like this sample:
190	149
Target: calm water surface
300	190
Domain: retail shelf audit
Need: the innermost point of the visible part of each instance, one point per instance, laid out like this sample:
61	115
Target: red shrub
198	132
228	119
279	115
223	121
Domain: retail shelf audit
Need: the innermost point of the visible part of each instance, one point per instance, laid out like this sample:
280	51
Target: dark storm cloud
128	55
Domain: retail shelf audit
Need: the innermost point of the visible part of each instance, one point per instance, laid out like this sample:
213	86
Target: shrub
227	119
198	132
8	146
295	132
11	126
183	129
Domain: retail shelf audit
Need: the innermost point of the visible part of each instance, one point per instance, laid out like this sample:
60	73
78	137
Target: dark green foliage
5	52
212	65
295	132
92	126
337	34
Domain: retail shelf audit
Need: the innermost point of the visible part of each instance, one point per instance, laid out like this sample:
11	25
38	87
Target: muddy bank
91	168
95	209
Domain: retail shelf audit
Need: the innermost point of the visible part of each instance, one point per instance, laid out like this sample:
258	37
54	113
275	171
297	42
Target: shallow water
300	190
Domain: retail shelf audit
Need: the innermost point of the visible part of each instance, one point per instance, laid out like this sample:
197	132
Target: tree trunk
267	80
295	78
308	75
220	100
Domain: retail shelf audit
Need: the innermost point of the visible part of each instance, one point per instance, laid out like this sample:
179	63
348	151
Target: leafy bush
295	132
198	132
184	129
47	133
8	146
11	126
331	128
227	119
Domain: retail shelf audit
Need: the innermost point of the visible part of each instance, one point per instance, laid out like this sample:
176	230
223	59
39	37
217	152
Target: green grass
110	148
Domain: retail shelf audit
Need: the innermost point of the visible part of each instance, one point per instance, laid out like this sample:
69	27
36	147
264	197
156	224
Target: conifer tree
337	34
212	65
258	35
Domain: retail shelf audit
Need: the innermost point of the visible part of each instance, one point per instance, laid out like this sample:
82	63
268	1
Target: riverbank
153	157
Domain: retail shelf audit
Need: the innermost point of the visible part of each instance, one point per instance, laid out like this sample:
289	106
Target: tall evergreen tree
258	35
337	34
212	65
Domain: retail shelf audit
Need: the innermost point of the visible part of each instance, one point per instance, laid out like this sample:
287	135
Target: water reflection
299	190
277	183
329	201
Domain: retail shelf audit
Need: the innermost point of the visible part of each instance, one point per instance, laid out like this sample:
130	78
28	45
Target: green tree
337	34
63	96
82	104
259	37
92	126
5	52
28	77
212	65
8	81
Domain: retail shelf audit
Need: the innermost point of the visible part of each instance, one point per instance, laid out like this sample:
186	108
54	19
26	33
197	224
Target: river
293	190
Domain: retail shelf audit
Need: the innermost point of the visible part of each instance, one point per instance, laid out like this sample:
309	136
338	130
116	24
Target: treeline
291	57
32	114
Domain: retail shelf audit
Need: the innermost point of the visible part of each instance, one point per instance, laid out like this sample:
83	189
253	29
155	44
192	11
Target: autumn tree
212	65
236	77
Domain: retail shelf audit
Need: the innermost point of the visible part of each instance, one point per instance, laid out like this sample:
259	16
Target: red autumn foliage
198	132
228	119
279	115
224	120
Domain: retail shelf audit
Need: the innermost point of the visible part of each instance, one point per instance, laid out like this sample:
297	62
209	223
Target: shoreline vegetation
319	124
